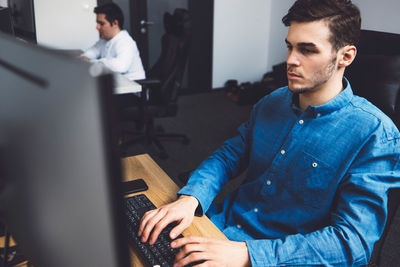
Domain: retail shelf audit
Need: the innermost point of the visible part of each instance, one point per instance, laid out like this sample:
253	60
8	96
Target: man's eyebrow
302	44
307	44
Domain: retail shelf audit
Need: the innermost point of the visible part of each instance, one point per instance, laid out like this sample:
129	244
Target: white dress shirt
120	54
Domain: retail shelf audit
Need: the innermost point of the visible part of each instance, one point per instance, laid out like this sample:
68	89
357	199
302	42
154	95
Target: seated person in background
116	49
320	162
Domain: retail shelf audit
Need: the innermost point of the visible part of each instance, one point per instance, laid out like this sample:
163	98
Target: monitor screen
59	169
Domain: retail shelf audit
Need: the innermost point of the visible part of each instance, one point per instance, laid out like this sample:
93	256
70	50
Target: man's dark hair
112	12
343	17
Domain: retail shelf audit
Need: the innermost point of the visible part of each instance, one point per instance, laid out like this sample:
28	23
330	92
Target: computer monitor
60	176
5	21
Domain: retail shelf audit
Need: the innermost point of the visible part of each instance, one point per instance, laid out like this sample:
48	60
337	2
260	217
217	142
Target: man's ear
347	55
115	23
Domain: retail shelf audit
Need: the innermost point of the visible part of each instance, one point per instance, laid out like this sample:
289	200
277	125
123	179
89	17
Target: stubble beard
318	79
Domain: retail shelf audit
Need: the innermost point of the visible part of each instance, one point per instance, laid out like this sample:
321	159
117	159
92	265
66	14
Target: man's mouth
293	75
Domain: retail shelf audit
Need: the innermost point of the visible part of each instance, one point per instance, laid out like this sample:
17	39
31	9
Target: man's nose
292	59
98	27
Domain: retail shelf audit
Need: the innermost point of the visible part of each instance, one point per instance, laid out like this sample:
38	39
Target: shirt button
301	121
239	226
318	114
268	182
255	210
314	165
283	152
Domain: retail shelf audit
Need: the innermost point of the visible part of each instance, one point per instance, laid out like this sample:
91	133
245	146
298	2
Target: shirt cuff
199	210
261	253
195	192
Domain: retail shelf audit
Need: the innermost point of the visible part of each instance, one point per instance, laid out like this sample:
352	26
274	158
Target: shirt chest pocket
310	181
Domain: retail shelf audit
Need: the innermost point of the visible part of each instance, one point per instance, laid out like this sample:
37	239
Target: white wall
382	15
240	40
278	31
3	3
64	24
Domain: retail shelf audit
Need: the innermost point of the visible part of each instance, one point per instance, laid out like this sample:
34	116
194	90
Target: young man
320	161
116	49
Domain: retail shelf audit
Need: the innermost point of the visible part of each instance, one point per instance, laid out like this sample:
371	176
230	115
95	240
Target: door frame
199	68
138	11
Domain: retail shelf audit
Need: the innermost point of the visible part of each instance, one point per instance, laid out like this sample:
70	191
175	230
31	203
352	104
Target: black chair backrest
170	66
375	73
386	251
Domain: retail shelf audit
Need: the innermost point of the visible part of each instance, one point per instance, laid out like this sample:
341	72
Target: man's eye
307	51
289	47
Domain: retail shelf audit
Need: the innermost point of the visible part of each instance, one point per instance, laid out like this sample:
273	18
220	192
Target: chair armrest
147	85
148	82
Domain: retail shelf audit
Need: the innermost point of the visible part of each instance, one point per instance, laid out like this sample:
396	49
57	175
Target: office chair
375	72
10	255
375	75
386	250
160	91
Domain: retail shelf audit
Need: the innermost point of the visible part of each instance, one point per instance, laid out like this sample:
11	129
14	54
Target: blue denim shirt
316	186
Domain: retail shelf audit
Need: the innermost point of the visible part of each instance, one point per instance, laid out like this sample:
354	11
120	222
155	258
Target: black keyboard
161	252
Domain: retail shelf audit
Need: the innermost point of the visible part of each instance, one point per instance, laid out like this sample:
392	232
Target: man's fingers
151	223
191	258
147	216
186	240
203	251
188	249
179	228
160	225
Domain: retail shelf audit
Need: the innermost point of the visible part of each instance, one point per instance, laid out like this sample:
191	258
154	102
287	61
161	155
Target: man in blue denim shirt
320	162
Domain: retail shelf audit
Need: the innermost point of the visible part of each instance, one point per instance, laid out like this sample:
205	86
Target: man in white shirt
116	49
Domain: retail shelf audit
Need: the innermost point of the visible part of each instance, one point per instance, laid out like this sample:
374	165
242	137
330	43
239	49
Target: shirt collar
117	36
336	103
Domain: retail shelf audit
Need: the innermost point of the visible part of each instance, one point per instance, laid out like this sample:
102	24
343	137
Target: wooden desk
162	190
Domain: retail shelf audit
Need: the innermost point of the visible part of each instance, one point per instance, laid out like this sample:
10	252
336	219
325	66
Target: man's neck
323	95
115	34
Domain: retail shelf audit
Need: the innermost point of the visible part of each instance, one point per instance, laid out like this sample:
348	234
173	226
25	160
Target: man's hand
210	252
154	221
84	58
